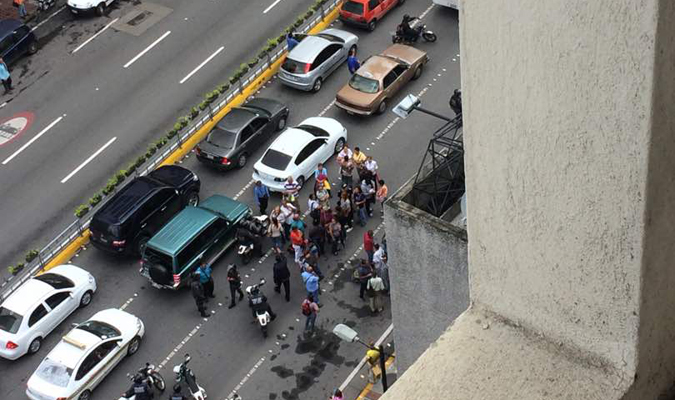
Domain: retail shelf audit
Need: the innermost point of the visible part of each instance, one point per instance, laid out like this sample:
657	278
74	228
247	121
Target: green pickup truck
196	234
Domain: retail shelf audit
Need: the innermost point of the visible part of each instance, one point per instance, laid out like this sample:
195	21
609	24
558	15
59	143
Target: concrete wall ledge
483	357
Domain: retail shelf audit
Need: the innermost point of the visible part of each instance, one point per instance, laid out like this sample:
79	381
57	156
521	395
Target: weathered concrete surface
428	273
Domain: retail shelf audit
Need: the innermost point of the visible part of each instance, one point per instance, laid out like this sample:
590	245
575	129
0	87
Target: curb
69	251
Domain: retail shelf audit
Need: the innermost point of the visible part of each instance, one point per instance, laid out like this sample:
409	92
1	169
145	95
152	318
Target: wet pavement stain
282	371
274	357
291	328
285	346
360	312
273	396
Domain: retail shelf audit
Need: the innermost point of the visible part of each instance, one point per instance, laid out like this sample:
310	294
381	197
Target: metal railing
77	228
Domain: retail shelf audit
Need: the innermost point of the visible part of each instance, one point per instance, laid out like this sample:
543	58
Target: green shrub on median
95	199
81	210
15	269
32	255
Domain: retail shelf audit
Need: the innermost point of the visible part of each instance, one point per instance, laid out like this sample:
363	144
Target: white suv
38	306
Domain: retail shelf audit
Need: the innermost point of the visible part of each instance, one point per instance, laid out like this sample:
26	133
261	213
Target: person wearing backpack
310	310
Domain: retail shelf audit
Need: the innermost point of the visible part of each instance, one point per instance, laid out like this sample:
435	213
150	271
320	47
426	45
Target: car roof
73	346
27	295
291	141
8	26
376	67
236	119
178	232
404	53
307	50
119	207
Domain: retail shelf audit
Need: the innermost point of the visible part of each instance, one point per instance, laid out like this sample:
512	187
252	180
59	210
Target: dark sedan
241	132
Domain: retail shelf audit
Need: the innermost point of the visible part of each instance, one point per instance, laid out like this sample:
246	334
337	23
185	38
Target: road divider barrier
186	133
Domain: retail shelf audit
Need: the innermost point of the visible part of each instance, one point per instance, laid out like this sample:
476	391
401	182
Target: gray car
316	57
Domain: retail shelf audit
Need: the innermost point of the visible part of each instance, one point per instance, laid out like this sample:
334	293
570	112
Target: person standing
352	62
261	194
371	167
310	309
5	77
359	158
275	231
298	243
347	171
317	235
21	5
314	208
373	357
375	288
198	294
234	280
297	222
360	204
368	245
382	194
336	234
345	152
311	280
286	217
326	215
368	190
291	190
282	276
205	278
456	102
365	272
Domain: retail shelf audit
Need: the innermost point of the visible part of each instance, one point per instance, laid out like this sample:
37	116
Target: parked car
315	58
366	13
126	222
241	132
82	7
197	233
379	78
298	150
38	306
85	356
16	39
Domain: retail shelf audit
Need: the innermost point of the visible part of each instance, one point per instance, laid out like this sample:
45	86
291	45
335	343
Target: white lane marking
94	37
271	6
48	18
202	64
3	104
363	361
133	60
246	378
88	160
36	137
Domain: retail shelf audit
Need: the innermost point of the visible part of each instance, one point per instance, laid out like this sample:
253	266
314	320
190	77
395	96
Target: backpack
306	309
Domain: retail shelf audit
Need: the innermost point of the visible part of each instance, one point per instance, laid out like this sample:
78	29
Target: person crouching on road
234	280
198	294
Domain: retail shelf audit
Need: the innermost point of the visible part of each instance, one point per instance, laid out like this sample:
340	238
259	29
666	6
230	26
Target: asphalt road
228	348
98	99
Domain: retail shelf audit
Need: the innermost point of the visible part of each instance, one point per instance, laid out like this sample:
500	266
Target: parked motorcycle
184	375
151	376
258	302
420	30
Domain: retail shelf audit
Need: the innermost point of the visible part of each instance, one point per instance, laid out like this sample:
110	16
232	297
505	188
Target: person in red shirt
368	245
298	242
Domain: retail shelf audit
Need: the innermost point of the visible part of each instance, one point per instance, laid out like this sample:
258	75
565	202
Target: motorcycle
258	302
256	225
245	252
185	375
420	30
151	376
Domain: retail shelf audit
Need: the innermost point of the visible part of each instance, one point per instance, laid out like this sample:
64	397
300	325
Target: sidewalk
360	389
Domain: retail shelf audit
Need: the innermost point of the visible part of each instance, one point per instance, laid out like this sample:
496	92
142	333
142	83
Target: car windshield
52	372
314	130
222	138
353	7
100	329
275	159
56	281
9	320
363	84
331	38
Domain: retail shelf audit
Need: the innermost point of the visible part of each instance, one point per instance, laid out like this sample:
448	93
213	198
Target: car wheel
339	145
32	48
418	72
193	198
85	300
100	9
282	123
35	345
86	395
134	345
160	384
382	107
141	244
371	25
317	85
241	161
300	181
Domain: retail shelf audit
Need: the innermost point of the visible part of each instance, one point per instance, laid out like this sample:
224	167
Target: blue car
16	39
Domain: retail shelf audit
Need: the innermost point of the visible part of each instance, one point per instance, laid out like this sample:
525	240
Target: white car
38	306
298	150
79	7
85	356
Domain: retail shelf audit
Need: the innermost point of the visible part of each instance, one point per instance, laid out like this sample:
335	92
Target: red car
366	13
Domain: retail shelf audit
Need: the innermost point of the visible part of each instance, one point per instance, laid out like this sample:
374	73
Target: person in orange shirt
381	195
298	242
21	4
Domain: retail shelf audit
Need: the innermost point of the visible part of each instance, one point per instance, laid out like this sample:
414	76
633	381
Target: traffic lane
145	103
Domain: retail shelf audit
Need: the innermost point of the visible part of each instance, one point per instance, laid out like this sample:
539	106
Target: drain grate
139	18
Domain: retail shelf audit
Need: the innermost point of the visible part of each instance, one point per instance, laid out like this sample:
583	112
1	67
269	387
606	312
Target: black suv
126	222
16	39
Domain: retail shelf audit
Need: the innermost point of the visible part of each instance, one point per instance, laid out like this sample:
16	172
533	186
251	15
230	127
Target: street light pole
383	367
349	335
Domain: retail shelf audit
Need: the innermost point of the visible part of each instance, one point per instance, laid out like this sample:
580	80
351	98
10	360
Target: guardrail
79	226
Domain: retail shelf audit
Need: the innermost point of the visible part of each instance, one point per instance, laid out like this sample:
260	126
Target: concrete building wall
428	274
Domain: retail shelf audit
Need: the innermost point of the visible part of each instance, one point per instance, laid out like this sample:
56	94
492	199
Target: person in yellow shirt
373	358
359	159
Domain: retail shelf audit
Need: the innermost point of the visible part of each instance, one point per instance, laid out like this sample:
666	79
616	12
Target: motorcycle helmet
458	91
138	378
176	388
